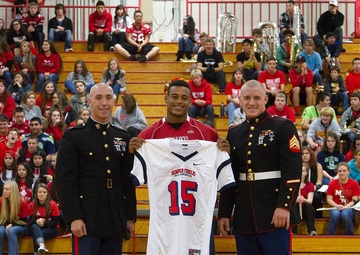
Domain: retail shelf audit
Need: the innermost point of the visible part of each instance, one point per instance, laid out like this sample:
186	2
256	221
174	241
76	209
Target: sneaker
42	250
132	58
343	50
142	58
112	48
313	233
69	50
122	89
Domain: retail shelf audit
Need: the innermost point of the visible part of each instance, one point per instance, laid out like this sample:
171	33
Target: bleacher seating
146	82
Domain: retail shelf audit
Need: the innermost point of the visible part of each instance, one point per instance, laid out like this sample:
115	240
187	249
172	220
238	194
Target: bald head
253	99
101	102
252	84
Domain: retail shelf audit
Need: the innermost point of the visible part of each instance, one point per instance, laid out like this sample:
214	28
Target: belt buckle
109	183
250	176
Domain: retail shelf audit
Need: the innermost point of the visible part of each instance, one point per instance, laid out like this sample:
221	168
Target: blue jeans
346	217
229	110
7	77
207	110
251	74
338	98
65	35
185	45
41	234
13	234
317	79
276	242
71	86
41	80
38	36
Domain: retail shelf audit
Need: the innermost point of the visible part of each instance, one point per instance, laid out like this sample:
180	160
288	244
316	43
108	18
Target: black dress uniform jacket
266	145
92	178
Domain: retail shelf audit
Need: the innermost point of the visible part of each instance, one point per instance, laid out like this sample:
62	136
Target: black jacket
92	178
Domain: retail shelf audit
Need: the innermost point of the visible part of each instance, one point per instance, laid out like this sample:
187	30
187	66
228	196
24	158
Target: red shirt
351	188
138	34
202	92
47	105
309	187
190	130
23	128
34	21
233	90
286	113
5	57
104	21
55	132
352	82
25	193
272	81
40	213
48	64
8	107
23	211
297	80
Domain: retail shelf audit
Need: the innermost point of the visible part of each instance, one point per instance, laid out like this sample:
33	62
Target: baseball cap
300	59
334	2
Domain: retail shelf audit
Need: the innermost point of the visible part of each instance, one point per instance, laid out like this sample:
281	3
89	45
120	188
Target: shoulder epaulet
78	126
277	118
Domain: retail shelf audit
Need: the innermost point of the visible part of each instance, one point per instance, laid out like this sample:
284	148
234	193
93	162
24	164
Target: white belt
259	176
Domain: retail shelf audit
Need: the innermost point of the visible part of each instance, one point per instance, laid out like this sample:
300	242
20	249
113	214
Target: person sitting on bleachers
330	53
24	179
80	73
25	62
6	62
45	98
355	144
19	86
272	80
188	35
350	119
305	200
28	104
100	23
301	79
342	201
55	126
354	165
200	45
19	122
261	46
16	34
281	109
249	61
129	116
201	98
211	63
232	92
61	102
61	28
33	21
312	112
26	152
334	86
138	38
7	103
318	129
114	76
330	156
313	60
80	99
283	52
352	80
330	21
48	65
121	21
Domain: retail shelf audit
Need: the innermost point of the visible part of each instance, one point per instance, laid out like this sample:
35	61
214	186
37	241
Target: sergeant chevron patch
294	144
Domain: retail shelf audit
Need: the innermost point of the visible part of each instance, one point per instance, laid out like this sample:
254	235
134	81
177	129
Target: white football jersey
183	178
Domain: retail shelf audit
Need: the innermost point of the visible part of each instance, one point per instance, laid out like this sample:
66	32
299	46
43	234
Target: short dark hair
291	2
36	119
178	83
18	109
257	31
33	137
100	3
335	68
3	118
247	40
355	94
329	34
270	58
288	32
137	11
321	96
354	60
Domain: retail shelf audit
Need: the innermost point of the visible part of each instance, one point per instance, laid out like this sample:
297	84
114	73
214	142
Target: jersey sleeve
138	173
224	173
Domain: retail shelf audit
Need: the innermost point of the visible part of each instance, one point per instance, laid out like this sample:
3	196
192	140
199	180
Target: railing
251	13
79	14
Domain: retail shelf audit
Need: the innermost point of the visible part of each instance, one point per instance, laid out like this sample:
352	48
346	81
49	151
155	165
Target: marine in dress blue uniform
93	184
266	161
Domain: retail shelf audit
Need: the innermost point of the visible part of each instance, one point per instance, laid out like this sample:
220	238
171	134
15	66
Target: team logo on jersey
119	144
294	144
190	132
194	252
